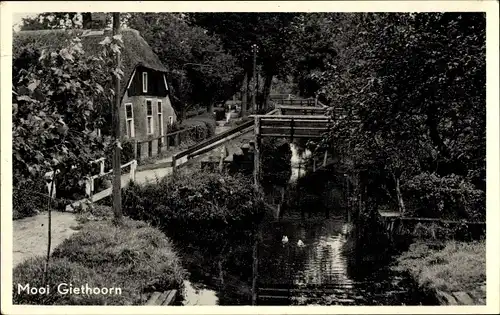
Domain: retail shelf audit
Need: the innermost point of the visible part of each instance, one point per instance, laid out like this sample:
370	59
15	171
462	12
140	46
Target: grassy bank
136	258
458	266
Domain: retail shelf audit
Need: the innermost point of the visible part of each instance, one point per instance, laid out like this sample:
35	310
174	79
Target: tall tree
271	32
417	83
201	71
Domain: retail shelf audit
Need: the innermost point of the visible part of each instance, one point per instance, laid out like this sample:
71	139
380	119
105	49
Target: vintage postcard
250	157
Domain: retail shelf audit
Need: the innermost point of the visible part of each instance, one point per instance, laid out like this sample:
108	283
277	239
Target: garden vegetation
136	257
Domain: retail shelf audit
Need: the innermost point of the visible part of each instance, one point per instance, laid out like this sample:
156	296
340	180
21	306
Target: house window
170	120
149	117
129	120
160	118
145	82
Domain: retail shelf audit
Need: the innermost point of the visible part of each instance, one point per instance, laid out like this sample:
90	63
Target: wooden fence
89	181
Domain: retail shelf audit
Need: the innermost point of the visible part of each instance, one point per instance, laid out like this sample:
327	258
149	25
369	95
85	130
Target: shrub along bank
135	258
210	216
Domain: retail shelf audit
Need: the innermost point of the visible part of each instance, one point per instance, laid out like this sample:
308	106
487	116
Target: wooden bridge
310	120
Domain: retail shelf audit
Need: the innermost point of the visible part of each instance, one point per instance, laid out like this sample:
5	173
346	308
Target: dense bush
195	112
135	258
205	120
209	215
194	199
431	195
31	197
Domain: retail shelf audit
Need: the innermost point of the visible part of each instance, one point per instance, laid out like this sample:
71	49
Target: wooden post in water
255	268
325	157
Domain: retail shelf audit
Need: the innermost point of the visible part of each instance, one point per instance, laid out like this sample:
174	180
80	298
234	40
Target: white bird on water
300	243
284	240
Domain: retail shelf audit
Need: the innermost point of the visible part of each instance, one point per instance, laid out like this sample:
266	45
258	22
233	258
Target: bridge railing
301	110
205	145
292	126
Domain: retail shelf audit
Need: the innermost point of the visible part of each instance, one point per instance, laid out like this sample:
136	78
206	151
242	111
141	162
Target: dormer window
144	82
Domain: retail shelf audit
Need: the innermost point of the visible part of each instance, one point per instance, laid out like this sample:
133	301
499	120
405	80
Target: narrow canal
317	265
325	270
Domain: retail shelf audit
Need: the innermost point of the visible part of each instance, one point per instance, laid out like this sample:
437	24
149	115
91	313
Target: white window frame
159	110
151	130
131	132
170	120
144	82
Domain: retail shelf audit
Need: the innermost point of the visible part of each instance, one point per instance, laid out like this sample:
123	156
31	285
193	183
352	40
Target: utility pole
254	104
117	182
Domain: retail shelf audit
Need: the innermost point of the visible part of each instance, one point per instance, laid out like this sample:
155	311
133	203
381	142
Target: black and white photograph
250	158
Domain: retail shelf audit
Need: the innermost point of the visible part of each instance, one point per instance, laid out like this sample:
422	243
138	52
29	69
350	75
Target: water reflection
322	272
199	295
326	270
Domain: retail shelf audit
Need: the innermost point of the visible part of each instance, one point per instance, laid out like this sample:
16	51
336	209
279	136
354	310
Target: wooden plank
295	117
298	122
214	139
154	297
270	127
288	132
463	298
170	297
161	298
218	143
278	135
273	297
310	108
389	213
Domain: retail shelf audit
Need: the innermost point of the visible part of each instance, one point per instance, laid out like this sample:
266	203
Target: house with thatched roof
147	113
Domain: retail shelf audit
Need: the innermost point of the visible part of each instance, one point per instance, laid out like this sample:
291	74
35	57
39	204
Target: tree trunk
244	96
248	89
268	80
399	196
117	182
221	273
210	108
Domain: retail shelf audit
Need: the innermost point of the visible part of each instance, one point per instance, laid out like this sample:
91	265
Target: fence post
135	149
174	162
177	139
102	166
87	186
133	167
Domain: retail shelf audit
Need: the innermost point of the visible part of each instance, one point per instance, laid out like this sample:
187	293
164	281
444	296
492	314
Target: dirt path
30	234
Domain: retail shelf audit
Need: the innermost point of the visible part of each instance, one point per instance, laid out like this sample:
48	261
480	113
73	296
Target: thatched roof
136	51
